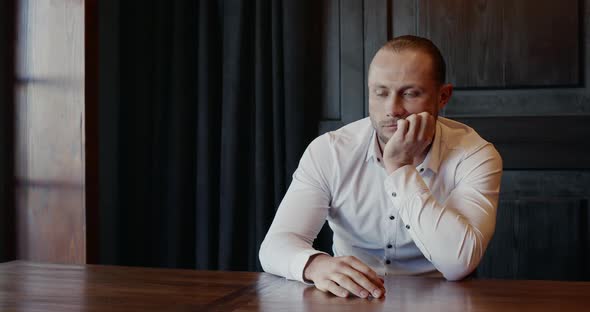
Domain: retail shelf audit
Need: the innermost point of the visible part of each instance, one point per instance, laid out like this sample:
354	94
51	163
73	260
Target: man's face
400	84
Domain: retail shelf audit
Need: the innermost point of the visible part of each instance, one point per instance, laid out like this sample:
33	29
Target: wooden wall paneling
493	44
538	211
352	65
377	30
330	40
533	184
532	102
469	35
404	17
502	254
541	43
543	102
543	156
539	239
50	131
541	142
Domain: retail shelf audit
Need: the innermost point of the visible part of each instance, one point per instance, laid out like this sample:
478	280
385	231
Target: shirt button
407	226
421	169
389	246
387	262
378	159
391	217
394	194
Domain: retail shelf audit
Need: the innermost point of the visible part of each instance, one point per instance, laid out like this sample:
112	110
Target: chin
384	138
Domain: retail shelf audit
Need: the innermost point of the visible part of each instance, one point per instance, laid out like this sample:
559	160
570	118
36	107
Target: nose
395	108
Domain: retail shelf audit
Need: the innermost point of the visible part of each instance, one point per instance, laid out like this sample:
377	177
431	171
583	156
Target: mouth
390	127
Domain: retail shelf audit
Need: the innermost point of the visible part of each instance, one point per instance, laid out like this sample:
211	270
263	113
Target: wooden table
26	286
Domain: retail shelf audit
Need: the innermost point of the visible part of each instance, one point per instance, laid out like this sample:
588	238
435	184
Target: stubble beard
383	139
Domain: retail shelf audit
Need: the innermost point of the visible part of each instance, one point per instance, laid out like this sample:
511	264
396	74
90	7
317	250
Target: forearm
286	254
453	235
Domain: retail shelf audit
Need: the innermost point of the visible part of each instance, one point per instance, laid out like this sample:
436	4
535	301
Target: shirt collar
373	151
432	160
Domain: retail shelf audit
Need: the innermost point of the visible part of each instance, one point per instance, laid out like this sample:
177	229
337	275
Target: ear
446	90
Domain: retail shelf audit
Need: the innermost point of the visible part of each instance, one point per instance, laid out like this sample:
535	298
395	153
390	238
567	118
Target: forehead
407	66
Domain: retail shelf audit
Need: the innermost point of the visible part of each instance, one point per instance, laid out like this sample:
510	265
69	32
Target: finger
365	269
363	281
332	287
429	129
413	127
347	283
424	127
402	128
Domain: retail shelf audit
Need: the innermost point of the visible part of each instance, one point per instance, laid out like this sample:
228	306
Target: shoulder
341	148
467	146
461	137
349	137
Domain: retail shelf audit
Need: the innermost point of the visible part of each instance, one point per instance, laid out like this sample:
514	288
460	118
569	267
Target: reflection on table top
26	286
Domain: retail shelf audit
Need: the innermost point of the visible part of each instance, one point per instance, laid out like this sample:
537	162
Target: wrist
310	268
390	167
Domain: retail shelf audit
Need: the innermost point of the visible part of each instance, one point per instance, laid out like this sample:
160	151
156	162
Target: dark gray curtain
6	173
205	109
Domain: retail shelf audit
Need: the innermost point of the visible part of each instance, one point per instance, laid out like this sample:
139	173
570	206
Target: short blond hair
416	43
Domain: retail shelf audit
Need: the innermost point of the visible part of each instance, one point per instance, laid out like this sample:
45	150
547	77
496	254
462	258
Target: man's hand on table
343	275
409	142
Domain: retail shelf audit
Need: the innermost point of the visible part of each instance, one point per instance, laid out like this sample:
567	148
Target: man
404	191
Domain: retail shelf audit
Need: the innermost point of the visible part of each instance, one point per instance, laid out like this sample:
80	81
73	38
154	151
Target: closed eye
411	94
381	92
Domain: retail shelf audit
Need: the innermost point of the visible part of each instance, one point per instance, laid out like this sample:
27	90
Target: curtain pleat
217	101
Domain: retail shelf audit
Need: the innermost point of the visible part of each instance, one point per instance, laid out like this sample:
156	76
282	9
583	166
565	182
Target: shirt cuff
404	184
299	262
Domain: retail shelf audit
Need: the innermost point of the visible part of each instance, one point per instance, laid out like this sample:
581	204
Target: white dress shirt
437	217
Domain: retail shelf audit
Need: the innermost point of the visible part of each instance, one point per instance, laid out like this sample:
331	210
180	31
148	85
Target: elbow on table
458	266
458	269
263	256
456	274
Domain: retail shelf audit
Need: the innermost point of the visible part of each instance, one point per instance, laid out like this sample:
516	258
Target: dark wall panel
540	238
352	66
331	60
529	142
541	43
404	17
473	57
493	44
377	23
542	229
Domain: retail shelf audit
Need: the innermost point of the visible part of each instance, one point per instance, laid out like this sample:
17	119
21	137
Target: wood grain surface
26	286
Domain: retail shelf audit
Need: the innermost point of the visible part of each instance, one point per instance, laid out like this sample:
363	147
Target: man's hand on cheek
413	135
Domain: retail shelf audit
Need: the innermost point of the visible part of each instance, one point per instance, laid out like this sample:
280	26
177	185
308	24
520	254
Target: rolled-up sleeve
453	234
288	244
